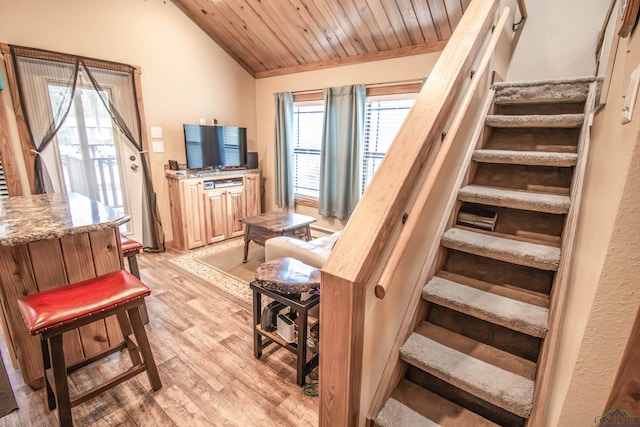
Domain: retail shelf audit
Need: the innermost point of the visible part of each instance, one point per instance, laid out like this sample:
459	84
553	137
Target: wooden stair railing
409	227
374	226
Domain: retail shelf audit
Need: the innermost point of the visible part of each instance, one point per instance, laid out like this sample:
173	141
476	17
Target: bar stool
130	248
52	312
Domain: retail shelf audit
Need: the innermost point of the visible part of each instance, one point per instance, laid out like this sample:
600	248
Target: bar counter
47	241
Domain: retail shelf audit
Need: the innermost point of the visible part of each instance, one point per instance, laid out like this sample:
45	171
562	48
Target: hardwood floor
203	346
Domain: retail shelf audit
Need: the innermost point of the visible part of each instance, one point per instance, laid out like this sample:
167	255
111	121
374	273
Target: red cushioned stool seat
54	311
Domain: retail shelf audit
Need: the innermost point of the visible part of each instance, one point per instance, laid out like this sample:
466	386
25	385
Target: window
383	117
307	133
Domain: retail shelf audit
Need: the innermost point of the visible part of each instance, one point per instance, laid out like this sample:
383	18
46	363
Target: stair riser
537	108
525	178
539	226
531	139
464	399
514	342
499	272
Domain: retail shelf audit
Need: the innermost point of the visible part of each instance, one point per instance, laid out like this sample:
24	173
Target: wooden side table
262	338
262	227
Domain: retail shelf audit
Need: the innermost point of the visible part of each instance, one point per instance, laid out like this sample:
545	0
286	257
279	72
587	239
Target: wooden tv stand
206	206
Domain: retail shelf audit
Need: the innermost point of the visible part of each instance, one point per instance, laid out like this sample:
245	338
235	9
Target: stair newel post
342	326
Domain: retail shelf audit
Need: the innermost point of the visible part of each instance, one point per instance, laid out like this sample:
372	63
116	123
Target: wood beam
366	57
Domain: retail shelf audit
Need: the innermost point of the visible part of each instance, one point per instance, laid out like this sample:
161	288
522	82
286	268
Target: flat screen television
215	146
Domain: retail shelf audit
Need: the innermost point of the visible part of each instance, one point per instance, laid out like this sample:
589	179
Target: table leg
307	233
302	347
247	239
257	338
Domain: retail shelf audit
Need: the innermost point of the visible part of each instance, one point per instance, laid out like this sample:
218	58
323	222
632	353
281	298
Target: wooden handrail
350	266
409	228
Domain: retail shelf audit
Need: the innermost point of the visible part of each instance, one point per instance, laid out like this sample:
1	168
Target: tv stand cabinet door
252	193
235	210
216	212
193	208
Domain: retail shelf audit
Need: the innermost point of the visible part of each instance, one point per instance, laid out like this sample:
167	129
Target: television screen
215	146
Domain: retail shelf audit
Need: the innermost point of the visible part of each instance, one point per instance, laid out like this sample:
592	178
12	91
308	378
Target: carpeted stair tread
535	121
510	313
484	380
543	91
515	199
411	405
513	251
394	414
530	158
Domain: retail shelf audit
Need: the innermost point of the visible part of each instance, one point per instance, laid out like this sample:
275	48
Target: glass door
91	153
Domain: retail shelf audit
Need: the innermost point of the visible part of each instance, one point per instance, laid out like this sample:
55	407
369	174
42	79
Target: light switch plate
632	94
156	132
158	146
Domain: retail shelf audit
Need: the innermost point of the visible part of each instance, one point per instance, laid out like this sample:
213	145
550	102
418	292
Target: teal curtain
284	150
341	158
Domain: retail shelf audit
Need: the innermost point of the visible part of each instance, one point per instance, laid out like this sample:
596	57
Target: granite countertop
27	219
198	173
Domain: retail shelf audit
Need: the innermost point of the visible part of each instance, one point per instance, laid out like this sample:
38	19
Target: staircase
472	359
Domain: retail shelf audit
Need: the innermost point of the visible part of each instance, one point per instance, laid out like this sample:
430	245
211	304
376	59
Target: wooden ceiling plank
371	24
318	27
229	25
290	14
418	21
437	46
398	23
282	30
331	28
235	30
332	9
385	23
349	18
267	45
423	14
440	18
196	16
454	12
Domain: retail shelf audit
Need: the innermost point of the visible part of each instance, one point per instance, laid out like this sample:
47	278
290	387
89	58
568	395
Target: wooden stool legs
56	370
55	311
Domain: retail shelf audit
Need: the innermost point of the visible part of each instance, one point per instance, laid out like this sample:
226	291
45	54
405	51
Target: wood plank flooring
203	346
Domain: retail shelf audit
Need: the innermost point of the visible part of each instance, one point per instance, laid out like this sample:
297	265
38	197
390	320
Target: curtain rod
393	83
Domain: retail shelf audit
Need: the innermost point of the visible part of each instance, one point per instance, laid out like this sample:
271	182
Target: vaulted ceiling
275	37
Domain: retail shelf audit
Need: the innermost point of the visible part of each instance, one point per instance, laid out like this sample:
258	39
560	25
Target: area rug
7	399
220	268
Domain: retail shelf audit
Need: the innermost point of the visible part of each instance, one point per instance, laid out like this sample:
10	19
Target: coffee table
273	224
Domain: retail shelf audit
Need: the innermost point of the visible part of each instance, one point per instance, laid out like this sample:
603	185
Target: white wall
602	299
558	40
185	75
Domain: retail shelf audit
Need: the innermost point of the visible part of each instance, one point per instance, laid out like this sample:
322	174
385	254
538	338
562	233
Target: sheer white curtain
48	83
